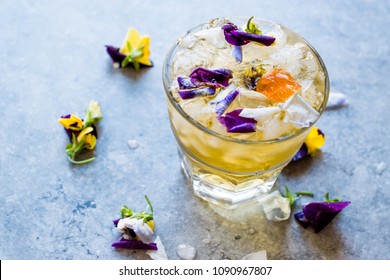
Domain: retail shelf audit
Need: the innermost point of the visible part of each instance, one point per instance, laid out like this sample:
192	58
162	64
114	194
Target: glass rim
167	81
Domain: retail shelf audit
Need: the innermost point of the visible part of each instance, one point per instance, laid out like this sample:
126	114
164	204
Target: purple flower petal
237	53
300	217
214	78
185	83
222	105
302	153
237	37
116	221
115	55
249	37
133	244
236	124
191	93
320	214
230	37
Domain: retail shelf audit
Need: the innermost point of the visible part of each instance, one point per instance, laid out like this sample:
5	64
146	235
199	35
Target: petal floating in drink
203	82
237	124
211	77
237	37
191	93
222	105
313	142
319	214
237	53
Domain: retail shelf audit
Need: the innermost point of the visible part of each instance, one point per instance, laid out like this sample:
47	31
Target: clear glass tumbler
224	170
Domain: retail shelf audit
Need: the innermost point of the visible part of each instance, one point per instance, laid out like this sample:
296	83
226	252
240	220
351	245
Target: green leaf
126	212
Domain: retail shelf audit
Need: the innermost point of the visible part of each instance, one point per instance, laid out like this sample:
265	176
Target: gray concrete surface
53	61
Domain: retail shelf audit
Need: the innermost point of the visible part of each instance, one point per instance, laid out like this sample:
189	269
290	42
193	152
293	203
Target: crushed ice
336	100
260	255
132	144
186	252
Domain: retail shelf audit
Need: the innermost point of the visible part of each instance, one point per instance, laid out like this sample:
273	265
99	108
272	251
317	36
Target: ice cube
213	36
261	115
198	109
251	99
299	111
276	128
309	65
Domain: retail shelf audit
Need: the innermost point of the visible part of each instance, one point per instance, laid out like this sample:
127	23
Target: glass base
228	190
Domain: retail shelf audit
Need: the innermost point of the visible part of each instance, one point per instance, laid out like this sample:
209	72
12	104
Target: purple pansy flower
203	82
237	124
222	105
319	214
133	244
238	38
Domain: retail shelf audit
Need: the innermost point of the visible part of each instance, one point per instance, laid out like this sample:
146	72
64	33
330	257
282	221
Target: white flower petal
144	232
275	206
299	111
158	254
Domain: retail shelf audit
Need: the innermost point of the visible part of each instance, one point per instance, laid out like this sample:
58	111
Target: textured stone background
53	61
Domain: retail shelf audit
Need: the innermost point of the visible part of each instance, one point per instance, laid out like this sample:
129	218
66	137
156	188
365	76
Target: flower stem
81	161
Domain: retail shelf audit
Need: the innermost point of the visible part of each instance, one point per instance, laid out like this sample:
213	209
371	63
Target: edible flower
313	142
238	38
134	51
319	214
237	124
71	122
222	105
203	82
82	133
137	229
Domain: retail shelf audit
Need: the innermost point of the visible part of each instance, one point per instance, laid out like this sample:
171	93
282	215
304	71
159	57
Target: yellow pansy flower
71	122
315	140
136	49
